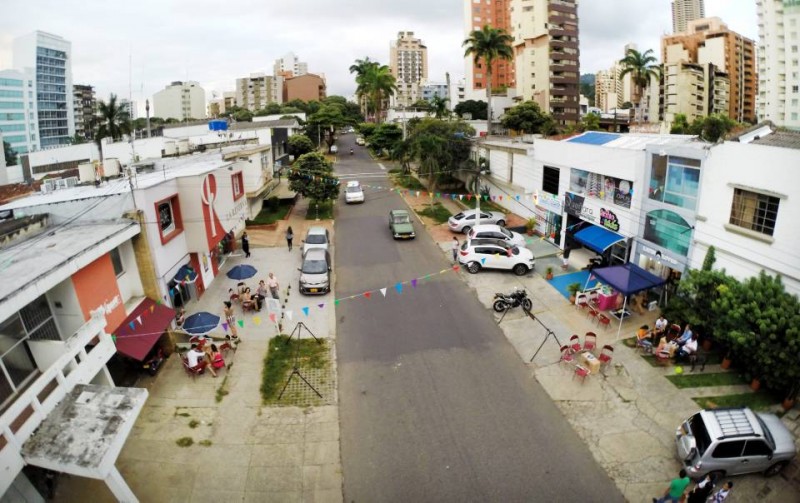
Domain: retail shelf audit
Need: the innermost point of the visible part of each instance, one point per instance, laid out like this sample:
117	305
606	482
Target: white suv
493	231
353	193
465	220
476	254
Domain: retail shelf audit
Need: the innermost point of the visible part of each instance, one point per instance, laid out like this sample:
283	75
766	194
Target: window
729	449
550	180
755	212
116	261
38	320
238	185
669	230
675	180
168	217
757	448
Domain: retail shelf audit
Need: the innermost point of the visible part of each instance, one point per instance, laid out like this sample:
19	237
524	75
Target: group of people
684	346
205	356
703	491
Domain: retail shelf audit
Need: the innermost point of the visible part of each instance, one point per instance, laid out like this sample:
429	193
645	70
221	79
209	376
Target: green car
400	224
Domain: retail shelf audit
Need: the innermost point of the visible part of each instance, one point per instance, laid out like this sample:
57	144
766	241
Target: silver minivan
734	441
315	273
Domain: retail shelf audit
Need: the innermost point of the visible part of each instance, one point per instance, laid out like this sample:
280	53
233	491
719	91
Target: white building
49	59
778	62
180	100
289	66
132	108
750	215
258	91
408	62
684	11
18	121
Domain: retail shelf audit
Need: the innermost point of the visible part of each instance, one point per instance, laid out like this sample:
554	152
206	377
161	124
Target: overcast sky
216	42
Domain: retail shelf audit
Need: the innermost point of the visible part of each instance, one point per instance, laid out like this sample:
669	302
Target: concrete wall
129	282
68	317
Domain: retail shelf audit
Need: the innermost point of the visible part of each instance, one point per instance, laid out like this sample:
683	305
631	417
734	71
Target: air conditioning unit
72	181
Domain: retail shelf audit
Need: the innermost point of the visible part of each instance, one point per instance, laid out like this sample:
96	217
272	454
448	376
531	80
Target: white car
317	237
334	149
465	220
360	140
493	231
477	254
353	193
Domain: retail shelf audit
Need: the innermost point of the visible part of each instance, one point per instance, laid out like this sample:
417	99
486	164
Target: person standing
289	237
274	287
246	245
701	491
677	488
565	256
722	494
230	319
455	247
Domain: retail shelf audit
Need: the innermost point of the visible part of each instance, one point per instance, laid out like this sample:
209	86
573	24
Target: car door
727	456
468	220
487	218
757	455
483	255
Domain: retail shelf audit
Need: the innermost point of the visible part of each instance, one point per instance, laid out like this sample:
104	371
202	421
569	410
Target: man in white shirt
689	348
195	358
661	325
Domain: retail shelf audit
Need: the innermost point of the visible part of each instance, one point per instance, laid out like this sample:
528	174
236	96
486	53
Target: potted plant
573	289
755	384
530	225
549	274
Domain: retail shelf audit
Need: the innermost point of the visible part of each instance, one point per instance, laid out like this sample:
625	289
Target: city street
435	404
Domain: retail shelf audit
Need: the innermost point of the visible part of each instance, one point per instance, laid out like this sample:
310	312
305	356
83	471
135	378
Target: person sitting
247	300
240	287
196	359
664	350
208	355
644	337
687	335
689	348
217	361
261	293
233	296
661	325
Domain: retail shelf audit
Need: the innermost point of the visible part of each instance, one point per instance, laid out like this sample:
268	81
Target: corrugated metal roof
594	138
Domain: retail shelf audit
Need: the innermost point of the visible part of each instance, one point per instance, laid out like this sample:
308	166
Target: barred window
753	211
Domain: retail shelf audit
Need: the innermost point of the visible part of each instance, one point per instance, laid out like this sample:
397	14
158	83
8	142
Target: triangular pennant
272	317
132	325
289	315
456	268
367	294
336	302
438	194
225	326
257	320
113	338
240	323
469	197
517	197
152	308
139	319
305	311
414	282
158	302
500	198
417	193
485	198
383	291
399	287
461	197
321	305
483	260
494	198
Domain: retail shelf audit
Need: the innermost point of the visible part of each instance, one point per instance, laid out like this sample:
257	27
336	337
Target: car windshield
314	267
459	216
353	189
506	233
400	219
316	239
767	433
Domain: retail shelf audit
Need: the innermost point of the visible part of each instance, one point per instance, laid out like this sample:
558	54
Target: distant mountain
587	78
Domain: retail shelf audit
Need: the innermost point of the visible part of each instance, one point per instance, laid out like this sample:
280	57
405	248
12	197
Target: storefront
548	217
596	227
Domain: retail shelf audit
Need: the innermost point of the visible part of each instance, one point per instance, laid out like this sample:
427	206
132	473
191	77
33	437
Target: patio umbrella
241	272
200	323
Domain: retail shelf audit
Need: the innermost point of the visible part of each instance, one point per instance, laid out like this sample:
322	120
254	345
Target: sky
137	48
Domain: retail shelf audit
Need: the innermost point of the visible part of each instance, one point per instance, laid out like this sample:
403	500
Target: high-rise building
546	55
308	87
694	90
608	89
49	59
709	41
258	91
132	108
18	111
84	104
684	11
408	62
778	67
289	66
180	100
477	14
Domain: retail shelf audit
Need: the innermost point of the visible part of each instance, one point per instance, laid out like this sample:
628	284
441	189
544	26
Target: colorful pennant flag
225	326
257	320
272	317
456	268
414	282
240	323
132	325
152	308
383	291
399	287
305	311
483	260
367	294
289	315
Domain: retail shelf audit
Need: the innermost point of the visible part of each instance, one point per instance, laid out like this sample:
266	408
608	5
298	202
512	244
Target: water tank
111	167
86	172
183	146
169	148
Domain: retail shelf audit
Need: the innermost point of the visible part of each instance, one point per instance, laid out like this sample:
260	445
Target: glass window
669	230
550	180
675	180
38	320
757	448
166	220
731	449
116	261
755	212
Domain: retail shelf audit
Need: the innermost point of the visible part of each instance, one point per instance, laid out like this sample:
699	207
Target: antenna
130	104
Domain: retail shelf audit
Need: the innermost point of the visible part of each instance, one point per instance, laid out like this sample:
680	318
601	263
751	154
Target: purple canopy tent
627	279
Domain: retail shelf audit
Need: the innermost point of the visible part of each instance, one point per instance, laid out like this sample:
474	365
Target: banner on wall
573	203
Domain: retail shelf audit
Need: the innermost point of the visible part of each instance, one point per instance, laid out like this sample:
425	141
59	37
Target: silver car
494	231
315	273
466	220
316	237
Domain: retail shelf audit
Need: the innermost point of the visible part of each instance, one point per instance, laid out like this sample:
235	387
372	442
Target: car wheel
499	306
520	269
527	304
501	223
473	267
775	469
717	475
466	229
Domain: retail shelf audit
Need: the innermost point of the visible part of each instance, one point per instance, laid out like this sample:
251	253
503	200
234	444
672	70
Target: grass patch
272	212
222	391
194	423
437	212
485	205
756	401
409	182
630	342
701	380
185	441
322	210
205	443
280	358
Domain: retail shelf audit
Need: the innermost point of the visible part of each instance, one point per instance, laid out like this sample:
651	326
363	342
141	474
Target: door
484	256
727	456
757	456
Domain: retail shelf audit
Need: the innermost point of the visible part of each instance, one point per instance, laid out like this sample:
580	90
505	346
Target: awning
598	238
185	273
628	278
140	331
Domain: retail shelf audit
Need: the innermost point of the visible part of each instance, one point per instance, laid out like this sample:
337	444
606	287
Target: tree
679	125
642	66
9	153
440	147
488	44
312	176
360	68
242	115
78	139
590	122
711	257
113	121
439	107
527	117
476	109
421	105
374	85
326	121
300	144
270	109
715	127
385	137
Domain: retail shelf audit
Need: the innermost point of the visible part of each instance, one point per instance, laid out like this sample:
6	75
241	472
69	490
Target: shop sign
573	203
609	220
549	202
658	255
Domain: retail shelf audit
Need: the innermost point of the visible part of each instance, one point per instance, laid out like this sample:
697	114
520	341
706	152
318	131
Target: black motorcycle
505	301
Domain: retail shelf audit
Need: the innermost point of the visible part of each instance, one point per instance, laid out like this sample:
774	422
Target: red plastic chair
606	355
604	320
593	295
590	342
575	343
592	313
582	302
581	372
192	371
566	356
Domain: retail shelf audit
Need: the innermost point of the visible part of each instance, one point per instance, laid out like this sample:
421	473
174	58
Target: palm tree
113	121
488	44
439	106
380	84
642	66
360	68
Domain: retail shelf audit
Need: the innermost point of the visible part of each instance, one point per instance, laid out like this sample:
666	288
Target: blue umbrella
242	272
200	323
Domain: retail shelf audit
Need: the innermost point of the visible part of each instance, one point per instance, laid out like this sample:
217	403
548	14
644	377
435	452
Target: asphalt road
435	405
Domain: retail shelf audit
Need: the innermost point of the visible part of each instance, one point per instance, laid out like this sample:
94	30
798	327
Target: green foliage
185	442
194	423
385	137
590	122
477	109
409	182
679	125
9	153
279	359
627	105
328	118
366	128
642	66
711	257
526	117
275	209
270	109
300	144
440	147
711	128
113	120
312	177
437	212
588	90
693	301
574	288
320	210
439	107
421	104
242	116
374	85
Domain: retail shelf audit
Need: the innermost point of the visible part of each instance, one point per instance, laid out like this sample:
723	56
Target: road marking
381	166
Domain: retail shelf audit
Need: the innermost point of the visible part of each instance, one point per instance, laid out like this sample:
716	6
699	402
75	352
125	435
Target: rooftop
766	133
631	141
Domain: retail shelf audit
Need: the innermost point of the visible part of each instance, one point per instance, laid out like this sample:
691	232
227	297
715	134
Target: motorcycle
351	151
505	301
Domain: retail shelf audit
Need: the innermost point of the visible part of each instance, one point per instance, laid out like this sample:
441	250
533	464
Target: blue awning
628	278
597	238
185	273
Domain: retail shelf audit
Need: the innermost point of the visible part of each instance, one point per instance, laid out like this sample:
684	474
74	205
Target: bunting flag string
383	291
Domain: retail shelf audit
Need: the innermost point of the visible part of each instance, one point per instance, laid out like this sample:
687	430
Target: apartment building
308	87
49	58
431	89
289	66
131	107
18	118
709	40
180	100
684	11
258	91
779	62
85	106
694	90
546	56
608	90
477	14
408	62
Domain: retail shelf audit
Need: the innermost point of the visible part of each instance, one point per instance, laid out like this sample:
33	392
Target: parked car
360	140
476	254
465	220
733	441
315	273
494	231
400	225
334	149
353	193
316	237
